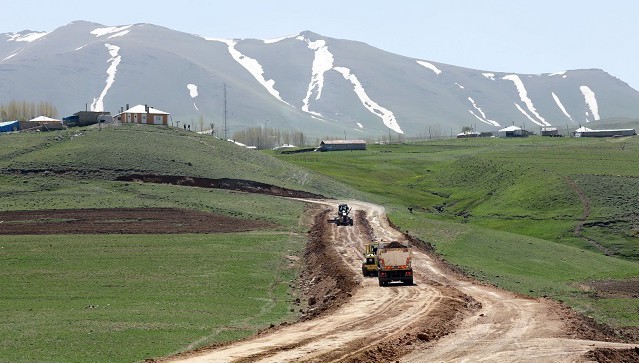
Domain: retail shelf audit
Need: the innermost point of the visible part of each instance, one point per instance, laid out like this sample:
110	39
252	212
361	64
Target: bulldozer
343	219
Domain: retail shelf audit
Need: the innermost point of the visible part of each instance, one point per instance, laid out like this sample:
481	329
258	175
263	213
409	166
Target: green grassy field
110	298
123	298
505	210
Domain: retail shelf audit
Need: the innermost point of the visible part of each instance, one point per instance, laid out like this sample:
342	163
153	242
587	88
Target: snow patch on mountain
98	32
562	73
28	37
483	117
120	34
322	63
251	65
386	115
490	76
523	95
275	40
430	66
591	101
12	55
114	50
193	93
459	85
527	115
561	106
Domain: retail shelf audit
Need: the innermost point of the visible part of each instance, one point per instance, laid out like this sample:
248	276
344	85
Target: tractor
343	219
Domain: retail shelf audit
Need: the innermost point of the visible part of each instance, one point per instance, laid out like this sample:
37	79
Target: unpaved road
444	317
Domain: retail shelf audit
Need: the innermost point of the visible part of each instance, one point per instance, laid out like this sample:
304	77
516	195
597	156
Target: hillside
118	152
319	85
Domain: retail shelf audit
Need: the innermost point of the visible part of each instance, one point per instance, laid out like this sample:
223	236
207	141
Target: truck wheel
364	272
381	283
408	282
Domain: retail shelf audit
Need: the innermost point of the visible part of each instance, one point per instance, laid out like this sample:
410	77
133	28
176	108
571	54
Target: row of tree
268	138
25	111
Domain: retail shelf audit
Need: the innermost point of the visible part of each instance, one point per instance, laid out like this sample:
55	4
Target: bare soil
122	220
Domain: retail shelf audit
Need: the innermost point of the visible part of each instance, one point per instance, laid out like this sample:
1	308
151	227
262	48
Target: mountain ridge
309	82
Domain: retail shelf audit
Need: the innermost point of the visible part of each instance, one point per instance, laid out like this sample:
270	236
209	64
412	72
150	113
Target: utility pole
226	136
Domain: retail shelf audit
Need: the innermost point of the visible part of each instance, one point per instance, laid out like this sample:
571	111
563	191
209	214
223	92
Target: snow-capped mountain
321	86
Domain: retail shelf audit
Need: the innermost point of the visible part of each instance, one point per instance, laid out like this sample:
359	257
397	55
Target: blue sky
539	36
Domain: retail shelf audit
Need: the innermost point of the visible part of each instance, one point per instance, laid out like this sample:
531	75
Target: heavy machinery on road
369	265
394	263
343	219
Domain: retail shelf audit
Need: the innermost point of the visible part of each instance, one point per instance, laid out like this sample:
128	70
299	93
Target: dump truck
394	263
369	265
343	219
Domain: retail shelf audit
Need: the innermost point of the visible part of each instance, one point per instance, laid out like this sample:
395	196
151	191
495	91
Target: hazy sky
540	36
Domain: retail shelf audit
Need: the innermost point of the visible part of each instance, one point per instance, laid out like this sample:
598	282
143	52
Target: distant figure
410	209
189	127
185	126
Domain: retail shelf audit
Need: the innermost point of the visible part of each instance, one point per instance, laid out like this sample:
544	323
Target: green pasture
124	298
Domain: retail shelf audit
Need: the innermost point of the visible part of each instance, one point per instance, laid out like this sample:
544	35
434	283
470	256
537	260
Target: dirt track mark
585	202
375	324
434	320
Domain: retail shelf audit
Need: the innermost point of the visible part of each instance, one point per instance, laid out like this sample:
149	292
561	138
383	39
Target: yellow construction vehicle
369	265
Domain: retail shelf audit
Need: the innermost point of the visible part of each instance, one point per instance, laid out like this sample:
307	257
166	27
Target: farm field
539	216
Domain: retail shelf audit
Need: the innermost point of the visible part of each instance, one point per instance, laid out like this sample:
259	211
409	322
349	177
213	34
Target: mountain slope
322	86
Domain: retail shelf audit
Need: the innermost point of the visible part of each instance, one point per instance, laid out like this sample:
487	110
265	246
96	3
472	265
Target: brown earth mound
121	221
615	288
223	183
606	355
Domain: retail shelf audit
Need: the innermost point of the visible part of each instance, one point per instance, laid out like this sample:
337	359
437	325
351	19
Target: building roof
343	142
142	109
7	123
45	119
510	128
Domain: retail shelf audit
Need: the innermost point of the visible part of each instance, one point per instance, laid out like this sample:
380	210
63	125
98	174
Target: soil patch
241	185
606	355
325	283
614	288
122	221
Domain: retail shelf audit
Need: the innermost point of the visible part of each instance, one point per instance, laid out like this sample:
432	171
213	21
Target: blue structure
9	126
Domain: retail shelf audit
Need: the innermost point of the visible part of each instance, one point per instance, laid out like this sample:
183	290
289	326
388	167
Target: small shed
586	132
9	126
511	131
338	145
45	120
549	131
143	114
86	118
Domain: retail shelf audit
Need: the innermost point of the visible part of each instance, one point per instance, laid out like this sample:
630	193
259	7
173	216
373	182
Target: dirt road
443	317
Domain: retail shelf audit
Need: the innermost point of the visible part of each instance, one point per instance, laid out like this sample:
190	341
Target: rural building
512	131
550	131
42	123
86	118
337	145
9	126
143	114
586	132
